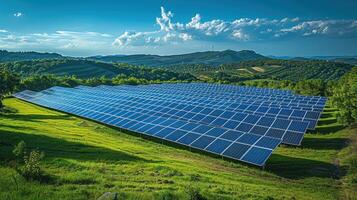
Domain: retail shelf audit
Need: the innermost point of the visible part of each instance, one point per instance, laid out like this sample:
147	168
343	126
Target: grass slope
86	159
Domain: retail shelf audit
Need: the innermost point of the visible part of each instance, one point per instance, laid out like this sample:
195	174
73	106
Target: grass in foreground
85	159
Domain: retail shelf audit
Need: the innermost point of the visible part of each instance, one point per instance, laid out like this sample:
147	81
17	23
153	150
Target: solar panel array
242	123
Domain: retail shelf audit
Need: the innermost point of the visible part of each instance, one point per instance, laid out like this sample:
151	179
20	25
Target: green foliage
268	69
42	74
31	169
314	87
20	150
6	56
270	84
344	97
194	193
41	82
32	166
86	69
8	82
166	195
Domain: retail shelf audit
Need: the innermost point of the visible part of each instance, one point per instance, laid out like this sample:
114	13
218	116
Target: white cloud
68	40
185	36
243	29
3	31
18	14
239	35
331	28
133	38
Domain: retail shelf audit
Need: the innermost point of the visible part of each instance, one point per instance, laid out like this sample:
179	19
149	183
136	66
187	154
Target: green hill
86	159
6	56
89	69
267	69
209	57
352	61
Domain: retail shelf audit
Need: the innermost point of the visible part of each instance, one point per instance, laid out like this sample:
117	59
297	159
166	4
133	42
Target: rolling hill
89	69
237	66
342	59
209	57
267	69
6	56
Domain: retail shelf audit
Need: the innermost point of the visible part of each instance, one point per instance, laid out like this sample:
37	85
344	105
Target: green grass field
86	159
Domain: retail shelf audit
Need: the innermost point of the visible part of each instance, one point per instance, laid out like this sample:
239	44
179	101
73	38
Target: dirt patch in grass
258	69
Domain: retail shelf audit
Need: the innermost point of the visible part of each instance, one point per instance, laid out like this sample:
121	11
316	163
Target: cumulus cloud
18	14
3	31
243	30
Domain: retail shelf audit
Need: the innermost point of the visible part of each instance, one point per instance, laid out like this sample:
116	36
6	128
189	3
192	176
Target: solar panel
250	108
229	120
195	115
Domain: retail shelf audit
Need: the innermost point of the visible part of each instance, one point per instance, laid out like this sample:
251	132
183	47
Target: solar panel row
205	89
250	107
268	100
183	114
277	128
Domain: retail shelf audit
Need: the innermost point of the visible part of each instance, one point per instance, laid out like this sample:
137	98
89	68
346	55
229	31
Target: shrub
195	177
20	149
194	194
32	169
166	195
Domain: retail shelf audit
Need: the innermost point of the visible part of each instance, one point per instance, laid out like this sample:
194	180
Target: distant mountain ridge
6	56
208	57
342	59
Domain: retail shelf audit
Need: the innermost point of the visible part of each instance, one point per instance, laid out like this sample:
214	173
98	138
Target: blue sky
92	27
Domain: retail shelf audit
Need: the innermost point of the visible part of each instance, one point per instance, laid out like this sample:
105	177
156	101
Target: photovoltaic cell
241	123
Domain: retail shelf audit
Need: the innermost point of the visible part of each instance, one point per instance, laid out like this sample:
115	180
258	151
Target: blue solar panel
236	150
257	155
231	121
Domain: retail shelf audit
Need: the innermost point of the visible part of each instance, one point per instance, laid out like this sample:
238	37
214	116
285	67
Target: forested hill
267	69
6	56
208	57
90	69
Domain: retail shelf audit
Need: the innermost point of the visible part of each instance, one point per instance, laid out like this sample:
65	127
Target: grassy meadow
85	159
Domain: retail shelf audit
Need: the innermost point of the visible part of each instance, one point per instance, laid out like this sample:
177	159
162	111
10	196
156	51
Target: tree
314	87
345	97
8	83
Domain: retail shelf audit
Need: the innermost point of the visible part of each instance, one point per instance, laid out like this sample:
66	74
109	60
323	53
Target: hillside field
85	159
267	69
